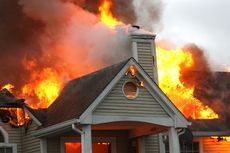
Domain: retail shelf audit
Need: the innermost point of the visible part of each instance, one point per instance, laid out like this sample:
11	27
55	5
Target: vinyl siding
30	144
116	104
145	59
14	135
151	144
53	145
212	146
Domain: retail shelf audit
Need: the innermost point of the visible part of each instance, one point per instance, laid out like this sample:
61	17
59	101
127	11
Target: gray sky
203	22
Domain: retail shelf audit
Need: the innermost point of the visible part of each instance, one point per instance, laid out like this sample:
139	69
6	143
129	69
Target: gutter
55	128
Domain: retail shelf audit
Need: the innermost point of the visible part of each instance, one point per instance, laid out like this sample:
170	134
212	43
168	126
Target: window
130	90
6	147
188	147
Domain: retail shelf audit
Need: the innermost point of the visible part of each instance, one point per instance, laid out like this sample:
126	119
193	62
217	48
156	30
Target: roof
79	93
8	100
214	91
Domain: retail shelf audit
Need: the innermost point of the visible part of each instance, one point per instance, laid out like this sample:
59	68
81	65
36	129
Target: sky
203	22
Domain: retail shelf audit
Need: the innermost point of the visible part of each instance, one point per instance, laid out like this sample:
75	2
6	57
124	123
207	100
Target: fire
106	15
8	86
43	88
221	138
132	70
170	63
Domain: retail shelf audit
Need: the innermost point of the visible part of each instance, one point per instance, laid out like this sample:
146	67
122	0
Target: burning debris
11	109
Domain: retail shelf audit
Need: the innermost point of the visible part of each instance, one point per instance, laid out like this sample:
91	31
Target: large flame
43	87
106	15
170	63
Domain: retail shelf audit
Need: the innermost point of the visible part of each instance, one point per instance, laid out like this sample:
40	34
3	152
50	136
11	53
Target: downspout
76	129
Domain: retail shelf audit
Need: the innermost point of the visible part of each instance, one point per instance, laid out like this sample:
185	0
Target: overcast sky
204	22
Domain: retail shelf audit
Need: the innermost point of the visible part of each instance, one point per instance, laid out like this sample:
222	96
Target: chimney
144	51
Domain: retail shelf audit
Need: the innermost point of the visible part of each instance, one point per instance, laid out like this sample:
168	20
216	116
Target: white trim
100	119
134	50
86	139
174	145
11	145
53	128
43	144
32	116
137	88
161	143
111	140
200	141
5	134
141	144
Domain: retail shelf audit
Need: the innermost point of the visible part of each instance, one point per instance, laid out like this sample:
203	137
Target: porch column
174	145
86	139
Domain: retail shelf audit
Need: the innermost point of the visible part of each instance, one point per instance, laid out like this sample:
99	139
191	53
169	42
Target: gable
117	104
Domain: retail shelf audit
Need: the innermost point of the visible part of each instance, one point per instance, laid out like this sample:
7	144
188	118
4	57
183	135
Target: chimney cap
136	26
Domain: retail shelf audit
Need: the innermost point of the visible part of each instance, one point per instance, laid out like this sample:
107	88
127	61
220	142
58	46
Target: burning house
120	102
116	109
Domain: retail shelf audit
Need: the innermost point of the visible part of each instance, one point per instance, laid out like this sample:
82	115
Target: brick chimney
144	51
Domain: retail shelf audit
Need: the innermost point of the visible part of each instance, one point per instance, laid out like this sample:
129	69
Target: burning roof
11	109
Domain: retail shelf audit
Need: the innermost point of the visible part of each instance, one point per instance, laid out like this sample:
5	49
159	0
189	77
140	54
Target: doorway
75	147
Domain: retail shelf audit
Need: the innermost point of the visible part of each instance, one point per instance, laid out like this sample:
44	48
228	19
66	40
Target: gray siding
30	144
53	145
14	135
151	144
144	105
145	58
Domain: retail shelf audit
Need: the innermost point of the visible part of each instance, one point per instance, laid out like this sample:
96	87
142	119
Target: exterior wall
30	144
25	142
209	145
151	144
144	105
53	145
14	135
144	51
145	58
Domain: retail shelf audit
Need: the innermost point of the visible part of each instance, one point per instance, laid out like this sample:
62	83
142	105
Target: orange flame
221	138
106	15
170	63
44	87
8	86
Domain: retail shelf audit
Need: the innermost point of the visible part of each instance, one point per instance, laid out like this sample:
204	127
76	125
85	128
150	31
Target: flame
14	116
106	15
43	87
170	63
221	138
8	86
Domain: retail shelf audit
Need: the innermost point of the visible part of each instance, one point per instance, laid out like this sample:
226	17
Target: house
118	109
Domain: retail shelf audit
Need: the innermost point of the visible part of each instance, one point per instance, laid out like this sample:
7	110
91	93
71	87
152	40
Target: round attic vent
130	90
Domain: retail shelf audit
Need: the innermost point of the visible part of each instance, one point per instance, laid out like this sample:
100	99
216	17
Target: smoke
35	35
200	64
148	14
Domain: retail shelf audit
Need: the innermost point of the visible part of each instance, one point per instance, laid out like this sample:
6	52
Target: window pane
1	137
2	150
9	150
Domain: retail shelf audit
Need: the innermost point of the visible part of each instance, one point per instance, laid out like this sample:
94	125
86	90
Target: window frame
6	140
123	89
9	145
